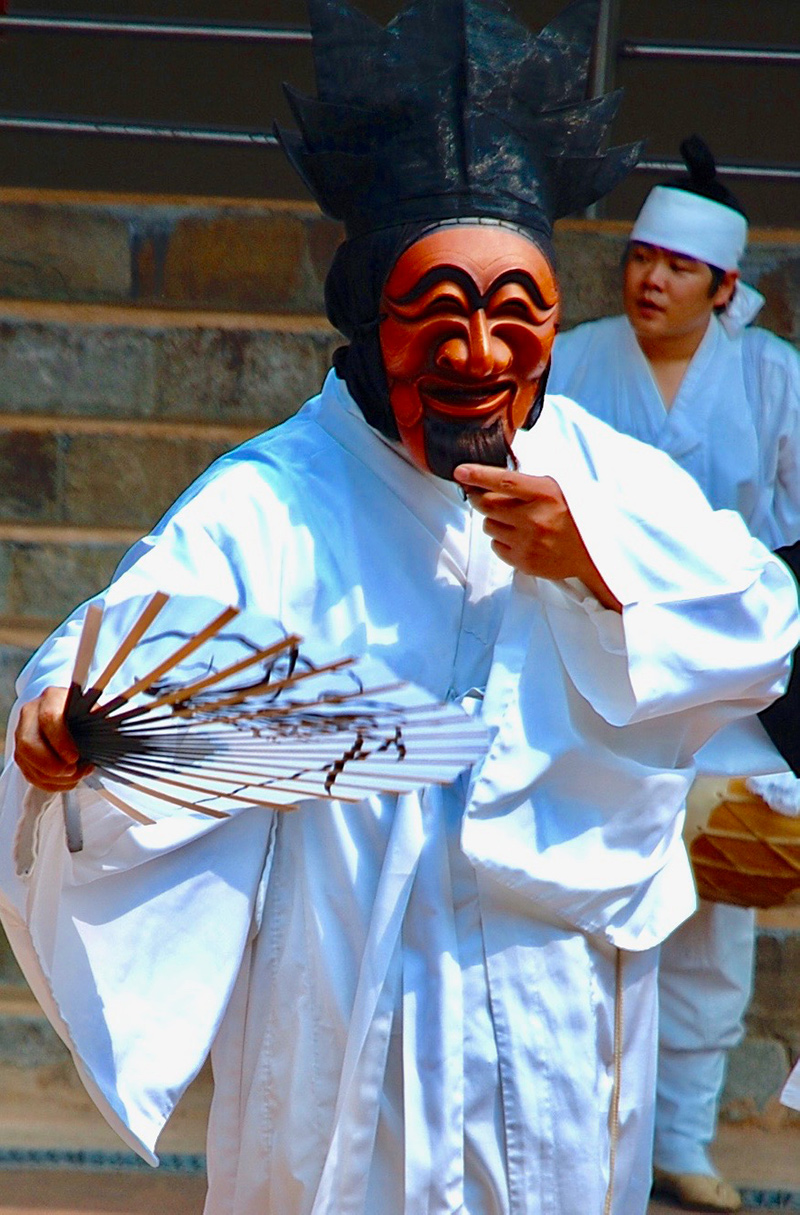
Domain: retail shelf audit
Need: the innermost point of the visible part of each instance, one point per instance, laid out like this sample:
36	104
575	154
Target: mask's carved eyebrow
454	274
523	279
440	274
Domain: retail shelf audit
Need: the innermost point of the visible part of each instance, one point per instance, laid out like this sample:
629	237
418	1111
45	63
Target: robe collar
684	426
341	417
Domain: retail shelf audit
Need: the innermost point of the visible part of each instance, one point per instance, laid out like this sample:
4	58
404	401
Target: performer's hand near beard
469	318
531	526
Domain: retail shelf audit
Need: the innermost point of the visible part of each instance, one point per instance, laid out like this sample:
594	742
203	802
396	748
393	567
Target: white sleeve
100	937
100	934
709	615
201	547
772	378
783	386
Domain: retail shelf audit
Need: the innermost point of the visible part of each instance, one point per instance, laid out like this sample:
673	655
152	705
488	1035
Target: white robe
401	1008
734	424
735	427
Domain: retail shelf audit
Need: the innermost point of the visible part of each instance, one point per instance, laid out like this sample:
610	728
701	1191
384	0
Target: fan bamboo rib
206	743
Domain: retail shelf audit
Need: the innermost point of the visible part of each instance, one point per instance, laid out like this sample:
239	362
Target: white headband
695	226
692	225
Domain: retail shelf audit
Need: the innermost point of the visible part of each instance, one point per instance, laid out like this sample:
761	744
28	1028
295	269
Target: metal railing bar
135	130
732	54
140	130
165	29
761	171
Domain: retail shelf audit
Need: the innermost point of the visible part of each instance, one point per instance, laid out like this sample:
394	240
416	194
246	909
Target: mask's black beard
448	444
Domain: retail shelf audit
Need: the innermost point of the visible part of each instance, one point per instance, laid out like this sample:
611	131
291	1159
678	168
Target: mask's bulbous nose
476	353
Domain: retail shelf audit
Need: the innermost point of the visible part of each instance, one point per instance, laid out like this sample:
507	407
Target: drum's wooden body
742	851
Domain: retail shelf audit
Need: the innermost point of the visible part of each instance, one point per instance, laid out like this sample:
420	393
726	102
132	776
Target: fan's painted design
188	711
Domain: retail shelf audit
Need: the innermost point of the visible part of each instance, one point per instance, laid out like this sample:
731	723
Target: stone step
20	635
103	361
46	571
87	471
26	633
775	1008
265	257
177	252
43	1104
26	1037
12	660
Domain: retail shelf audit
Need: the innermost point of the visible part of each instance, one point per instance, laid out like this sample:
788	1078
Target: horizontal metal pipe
158	29
732	54
134	130
763	172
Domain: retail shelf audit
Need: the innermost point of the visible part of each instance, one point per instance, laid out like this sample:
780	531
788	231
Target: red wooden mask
469	317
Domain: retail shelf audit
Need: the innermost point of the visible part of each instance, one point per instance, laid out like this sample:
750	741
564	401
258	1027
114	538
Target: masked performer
680	371
441	1002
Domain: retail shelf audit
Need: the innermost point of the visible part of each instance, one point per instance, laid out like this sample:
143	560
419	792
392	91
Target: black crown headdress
453	109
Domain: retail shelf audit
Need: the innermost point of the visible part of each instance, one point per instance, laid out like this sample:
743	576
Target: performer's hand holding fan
181	706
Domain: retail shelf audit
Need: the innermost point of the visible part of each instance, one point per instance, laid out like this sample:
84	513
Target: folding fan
179	709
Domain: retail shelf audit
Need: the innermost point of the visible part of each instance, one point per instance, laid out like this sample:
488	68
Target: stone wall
256	258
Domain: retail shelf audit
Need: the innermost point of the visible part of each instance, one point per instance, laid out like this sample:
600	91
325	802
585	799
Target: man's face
470	314
667	295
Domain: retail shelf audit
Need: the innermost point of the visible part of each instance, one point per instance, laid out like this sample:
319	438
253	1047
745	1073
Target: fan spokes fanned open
207	709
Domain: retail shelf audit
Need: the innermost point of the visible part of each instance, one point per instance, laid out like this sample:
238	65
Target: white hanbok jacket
734	426
337	954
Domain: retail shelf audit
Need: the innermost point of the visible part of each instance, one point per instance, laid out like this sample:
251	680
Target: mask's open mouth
467	400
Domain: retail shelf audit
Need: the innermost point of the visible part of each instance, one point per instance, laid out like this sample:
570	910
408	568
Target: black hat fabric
454	109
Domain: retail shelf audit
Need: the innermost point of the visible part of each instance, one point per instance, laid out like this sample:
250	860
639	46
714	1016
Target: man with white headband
681	371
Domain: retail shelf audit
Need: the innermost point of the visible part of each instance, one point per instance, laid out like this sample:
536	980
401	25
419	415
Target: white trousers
704	986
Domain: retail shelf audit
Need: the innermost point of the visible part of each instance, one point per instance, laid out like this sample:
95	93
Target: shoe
697	1191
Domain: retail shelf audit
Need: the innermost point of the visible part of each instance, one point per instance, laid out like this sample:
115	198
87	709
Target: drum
742	851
